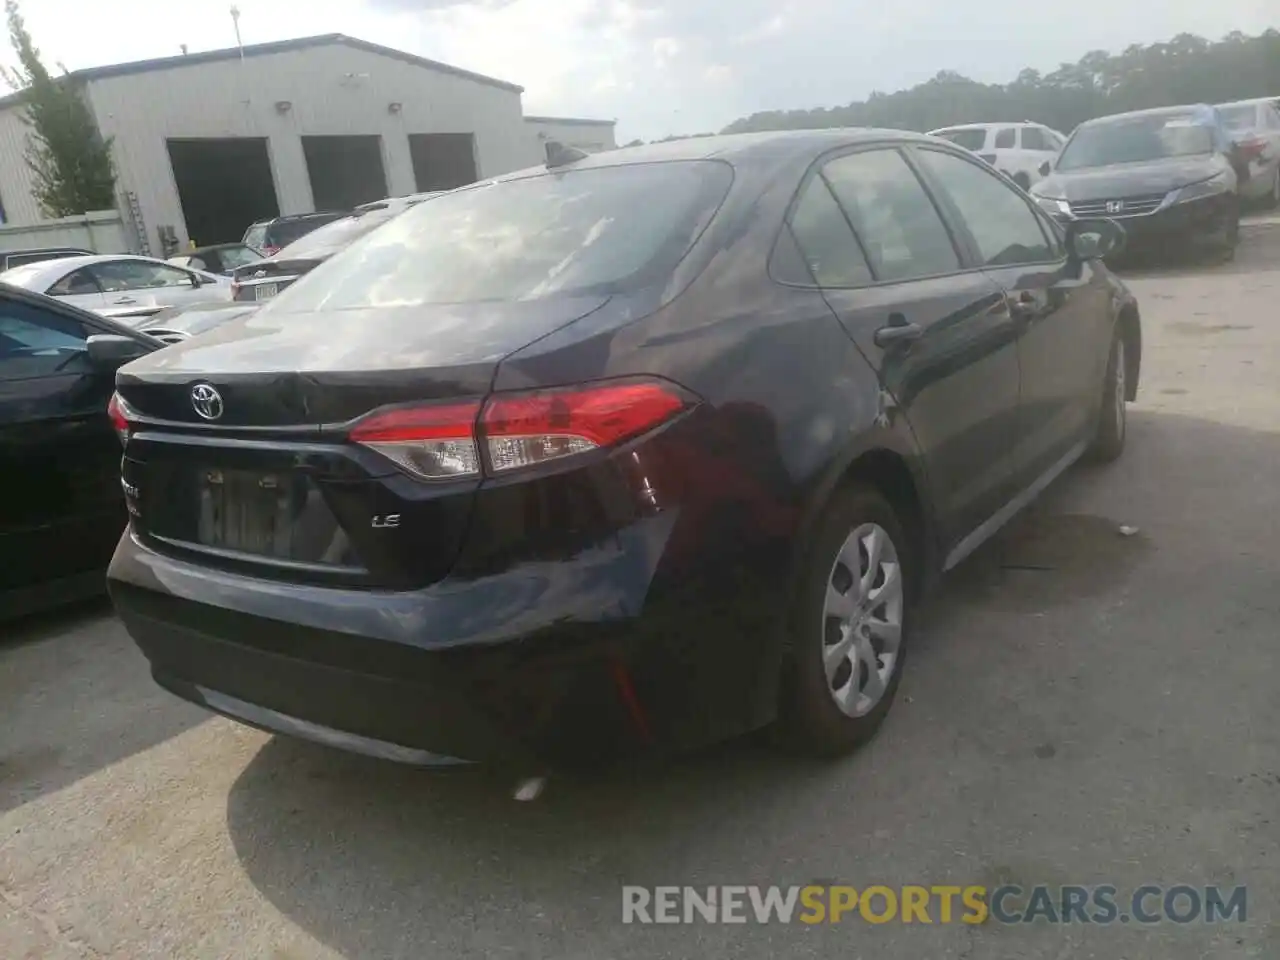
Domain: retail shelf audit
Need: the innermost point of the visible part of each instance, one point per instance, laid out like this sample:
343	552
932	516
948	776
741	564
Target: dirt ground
1081	707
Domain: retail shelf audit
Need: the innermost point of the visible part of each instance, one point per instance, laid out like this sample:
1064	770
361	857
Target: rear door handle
126	300
898	330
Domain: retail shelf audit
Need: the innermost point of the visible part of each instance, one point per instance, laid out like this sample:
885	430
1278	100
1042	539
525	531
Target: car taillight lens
435	442
523	430
1252	149
118	413
443	441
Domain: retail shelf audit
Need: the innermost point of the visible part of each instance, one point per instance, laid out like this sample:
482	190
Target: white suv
1015	149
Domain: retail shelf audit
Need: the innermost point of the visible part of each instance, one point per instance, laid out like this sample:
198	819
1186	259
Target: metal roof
264	49
573	121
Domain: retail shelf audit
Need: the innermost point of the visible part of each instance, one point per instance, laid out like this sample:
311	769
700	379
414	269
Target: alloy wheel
862	619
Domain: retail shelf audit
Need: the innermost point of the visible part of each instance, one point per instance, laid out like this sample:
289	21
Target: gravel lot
1081	707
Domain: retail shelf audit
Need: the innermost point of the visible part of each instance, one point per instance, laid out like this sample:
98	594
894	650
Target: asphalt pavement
1081	707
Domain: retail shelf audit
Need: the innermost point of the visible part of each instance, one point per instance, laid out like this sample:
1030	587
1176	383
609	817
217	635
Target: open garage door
223	185
442	161
345	171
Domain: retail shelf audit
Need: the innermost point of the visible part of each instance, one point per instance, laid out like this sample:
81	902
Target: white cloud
660	66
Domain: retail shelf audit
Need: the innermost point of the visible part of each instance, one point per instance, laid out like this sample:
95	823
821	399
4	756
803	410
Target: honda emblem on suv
206	401
1115	206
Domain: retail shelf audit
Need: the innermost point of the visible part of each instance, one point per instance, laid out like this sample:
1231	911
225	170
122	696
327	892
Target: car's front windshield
1136	140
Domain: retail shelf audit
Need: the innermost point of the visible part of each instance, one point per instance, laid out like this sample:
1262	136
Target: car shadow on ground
376	860
1256	251
75	696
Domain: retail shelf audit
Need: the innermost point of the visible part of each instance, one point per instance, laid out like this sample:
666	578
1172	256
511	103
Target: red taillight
117	412
433	442
1252	149
524	430
442	441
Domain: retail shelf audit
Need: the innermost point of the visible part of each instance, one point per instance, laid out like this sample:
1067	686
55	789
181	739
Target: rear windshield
971	139
576	232
1136	139
1243	117
284	232
332	237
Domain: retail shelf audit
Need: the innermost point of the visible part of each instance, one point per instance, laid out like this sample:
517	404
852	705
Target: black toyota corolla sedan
623	455
1171	176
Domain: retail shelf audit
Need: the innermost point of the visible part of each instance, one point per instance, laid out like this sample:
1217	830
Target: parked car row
1175	177
126	286
1026	152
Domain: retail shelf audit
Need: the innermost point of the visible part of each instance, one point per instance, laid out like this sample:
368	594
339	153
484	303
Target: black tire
1226	247
810	721
1273	198
1113	420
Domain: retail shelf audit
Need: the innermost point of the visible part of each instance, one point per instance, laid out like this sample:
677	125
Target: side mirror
112	350
1045	168
197	281
1095	239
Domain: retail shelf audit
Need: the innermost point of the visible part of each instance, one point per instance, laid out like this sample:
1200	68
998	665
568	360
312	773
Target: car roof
1202	110
1253	102
991	125
23	251
737	149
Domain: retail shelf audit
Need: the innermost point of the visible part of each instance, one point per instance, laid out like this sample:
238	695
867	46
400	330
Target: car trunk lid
263	479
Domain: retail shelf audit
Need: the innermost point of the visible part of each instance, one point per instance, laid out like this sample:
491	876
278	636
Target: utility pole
235	20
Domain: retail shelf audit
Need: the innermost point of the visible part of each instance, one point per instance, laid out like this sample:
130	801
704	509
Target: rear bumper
528	669
548	666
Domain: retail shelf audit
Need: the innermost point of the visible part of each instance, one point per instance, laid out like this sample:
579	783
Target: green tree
1187	69
70	159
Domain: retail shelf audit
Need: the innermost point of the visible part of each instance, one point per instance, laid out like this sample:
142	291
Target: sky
663	66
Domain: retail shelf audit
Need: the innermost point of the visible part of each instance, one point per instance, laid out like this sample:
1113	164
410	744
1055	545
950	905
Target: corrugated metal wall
332	89
15	176
592	137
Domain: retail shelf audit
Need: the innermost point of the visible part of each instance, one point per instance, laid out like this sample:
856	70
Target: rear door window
117	276
900	228
1006	139
1033	138
593	231
971	138
76	283
829	254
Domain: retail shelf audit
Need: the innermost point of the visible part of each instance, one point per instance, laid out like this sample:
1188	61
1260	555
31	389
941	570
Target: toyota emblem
206	401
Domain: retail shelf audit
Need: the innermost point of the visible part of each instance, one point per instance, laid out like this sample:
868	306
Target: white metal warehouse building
206	143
